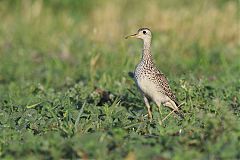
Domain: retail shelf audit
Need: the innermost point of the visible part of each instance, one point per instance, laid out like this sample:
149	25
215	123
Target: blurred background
45	41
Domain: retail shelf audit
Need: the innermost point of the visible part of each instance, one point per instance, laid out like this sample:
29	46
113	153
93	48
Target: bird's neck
146	52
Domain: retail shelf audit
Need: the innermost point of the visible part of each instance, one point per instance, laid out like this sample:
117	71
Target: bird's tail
178	112
175	108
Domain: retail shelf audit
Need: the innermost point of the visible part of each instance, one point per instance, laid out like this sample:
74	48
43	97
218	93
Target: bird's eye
144	32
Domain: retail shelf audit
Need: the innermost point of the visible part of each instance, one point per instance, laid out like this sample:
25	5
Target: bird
151	82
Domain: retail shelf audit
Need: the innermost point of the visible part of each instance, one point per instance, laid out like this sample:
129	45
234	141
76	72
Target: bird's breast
147	86
139	71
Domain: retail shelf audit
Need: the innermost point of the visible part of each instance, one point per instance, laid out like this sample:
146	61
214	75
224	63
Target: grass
65	91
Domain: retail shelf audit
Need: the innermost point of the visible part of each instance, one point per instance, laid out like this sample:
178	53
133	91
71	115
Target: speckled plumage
152	82
146	69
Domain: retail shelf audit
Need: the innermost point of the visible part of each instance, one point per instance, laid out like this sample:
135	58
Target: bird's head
143	33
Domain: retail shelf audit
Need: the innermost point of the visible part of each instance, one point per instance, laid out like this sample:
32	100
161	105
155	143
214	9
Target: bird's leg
159	109
148	108
160	113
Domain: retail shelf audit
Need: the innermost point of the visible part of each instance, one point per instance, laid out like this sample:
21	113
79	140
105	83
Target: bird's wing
162	80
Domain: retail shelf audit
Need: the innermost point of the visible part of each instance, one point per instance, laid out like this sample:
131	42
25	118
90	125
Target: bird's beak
132	36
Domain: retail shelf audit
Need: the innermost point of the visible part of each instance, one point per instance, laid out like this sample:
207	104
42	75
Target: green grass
65	91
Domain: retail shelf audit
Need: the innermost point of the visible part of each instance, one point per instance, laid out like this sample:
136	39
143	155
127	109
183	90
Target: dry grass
205	23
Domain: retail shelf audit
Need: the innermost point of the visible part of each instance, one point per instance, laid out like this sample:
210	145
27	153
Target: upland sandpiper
151	82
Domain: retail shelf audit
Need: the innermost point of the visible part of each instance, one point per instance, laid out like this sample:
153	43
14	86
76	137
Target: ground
65	92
